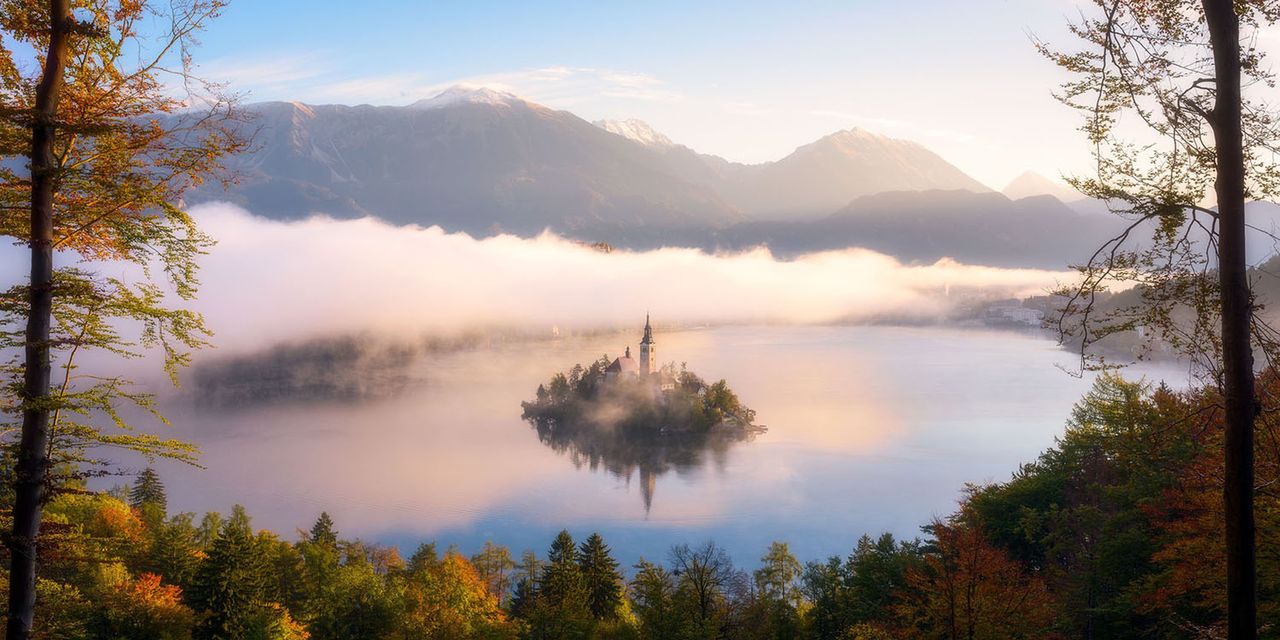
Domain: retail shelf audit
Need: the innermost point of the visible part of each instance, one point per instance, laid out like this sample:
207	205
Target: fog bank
271	281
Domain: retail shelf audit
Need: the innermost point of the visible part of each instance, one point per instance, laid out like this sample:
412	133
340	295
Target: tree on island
634	404
625	423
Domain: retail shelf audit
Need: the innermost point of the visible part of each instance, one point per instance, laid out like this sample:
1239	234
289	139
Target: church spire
648	363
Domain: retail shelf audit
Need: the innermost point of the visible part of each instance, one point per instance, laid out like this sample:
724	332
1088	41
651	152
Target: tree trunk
33	450
1237	355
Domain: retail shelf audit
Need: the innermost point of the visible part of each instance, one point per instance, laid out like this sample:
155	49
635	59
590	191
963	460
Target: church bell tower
647	363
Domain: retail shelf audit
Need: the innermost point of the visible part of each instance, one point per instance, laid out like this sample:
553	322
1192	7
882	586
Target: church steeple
648	364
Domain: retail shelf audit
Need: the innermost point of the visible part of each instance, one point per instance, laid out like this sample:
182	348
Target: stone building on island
646	368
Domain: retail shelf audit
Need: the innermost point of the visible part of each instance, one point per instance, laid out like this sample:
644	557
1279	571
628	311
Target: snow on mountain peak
637	130
469	94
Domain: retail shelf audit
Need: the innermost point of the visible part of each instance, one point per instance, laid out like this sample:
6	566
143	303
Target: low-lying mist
268	282
332	308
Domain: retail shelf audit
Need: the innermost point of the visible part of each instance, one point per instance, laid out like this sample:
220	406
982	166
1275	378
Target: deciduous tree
1179	68
970	589
93	161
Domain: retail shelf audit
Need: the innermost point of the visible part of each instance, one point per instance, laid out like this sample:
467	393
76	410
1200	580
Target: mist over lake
870	429
639	321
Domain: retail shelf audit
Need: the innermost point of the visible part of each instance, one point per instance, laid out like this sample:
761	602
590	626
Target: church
646	369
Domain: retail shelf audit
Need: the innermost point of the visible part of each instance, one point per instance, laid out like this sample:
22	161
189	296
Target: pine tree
523	598
525	593
231	583
561	609
173	551
148	490
602	578
323	532
424	558
561	578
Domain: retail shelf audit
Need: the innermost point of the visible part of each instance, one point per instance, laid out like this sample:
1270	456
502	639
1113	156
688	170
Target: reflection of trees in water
637	450
340	369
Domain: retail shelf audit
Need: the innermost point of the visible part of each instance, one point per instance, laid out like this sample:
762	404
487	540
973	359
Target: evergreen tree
560	609
148	497
601	576
526	589
148	490
323	532
523	598
562	580
231	583
424	558
173	551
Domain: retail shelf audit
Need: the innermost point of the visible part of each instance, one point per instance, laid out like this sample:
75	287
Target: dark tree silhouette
1179	67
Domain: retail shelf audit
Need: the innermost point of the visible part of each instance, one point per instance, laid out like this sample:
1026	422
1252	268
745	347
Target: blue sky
747	80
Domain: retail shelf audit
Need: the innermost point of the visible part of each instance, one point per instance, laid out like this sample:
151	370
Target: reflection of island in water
628	416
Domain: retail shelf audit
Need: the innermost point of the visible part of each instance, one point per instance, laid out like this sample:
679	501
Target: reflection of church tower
647	363
648	484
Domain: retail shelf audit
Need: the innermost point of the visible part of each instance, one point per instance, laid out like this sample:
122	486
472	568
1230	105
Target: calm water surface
871	429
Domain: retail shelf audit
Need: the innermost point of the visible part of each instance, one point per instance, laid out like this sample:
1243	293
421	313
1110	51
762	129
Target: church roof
625	364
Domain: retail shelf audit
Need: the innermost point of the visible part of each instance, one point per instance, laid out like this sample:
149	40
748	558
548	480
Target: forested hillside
1112	533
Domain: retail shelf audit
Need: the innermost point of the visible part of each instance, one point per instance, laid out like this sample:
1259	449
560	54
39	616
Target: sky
746	80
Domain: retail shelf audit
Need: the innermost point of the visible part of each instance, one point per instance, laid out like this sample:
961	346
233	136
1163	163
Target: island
628	415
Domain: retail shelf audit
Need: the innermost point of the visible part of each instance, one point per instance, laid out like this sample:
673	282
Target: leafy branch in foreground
1182	72
101	132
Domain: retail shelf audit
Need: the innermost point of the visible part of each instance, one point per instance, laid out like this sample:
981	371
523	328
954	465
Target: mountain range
482	161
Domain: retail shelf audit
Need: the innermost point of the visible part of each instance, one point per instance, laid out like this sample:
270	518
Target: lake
870	429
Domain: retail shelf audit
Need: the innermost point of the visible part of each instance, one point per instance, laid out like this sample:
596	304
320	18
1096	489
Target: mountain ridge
481	160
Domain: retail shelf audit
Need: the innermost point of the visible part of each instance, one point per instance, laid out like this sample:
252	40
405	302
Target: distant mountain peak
857	140
858	133
637	130
469	94
1030	183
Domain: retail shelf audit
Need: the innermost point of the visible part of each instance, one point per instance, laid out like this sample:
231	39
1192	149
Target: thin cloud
278	72
316	78
746	109
899	126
